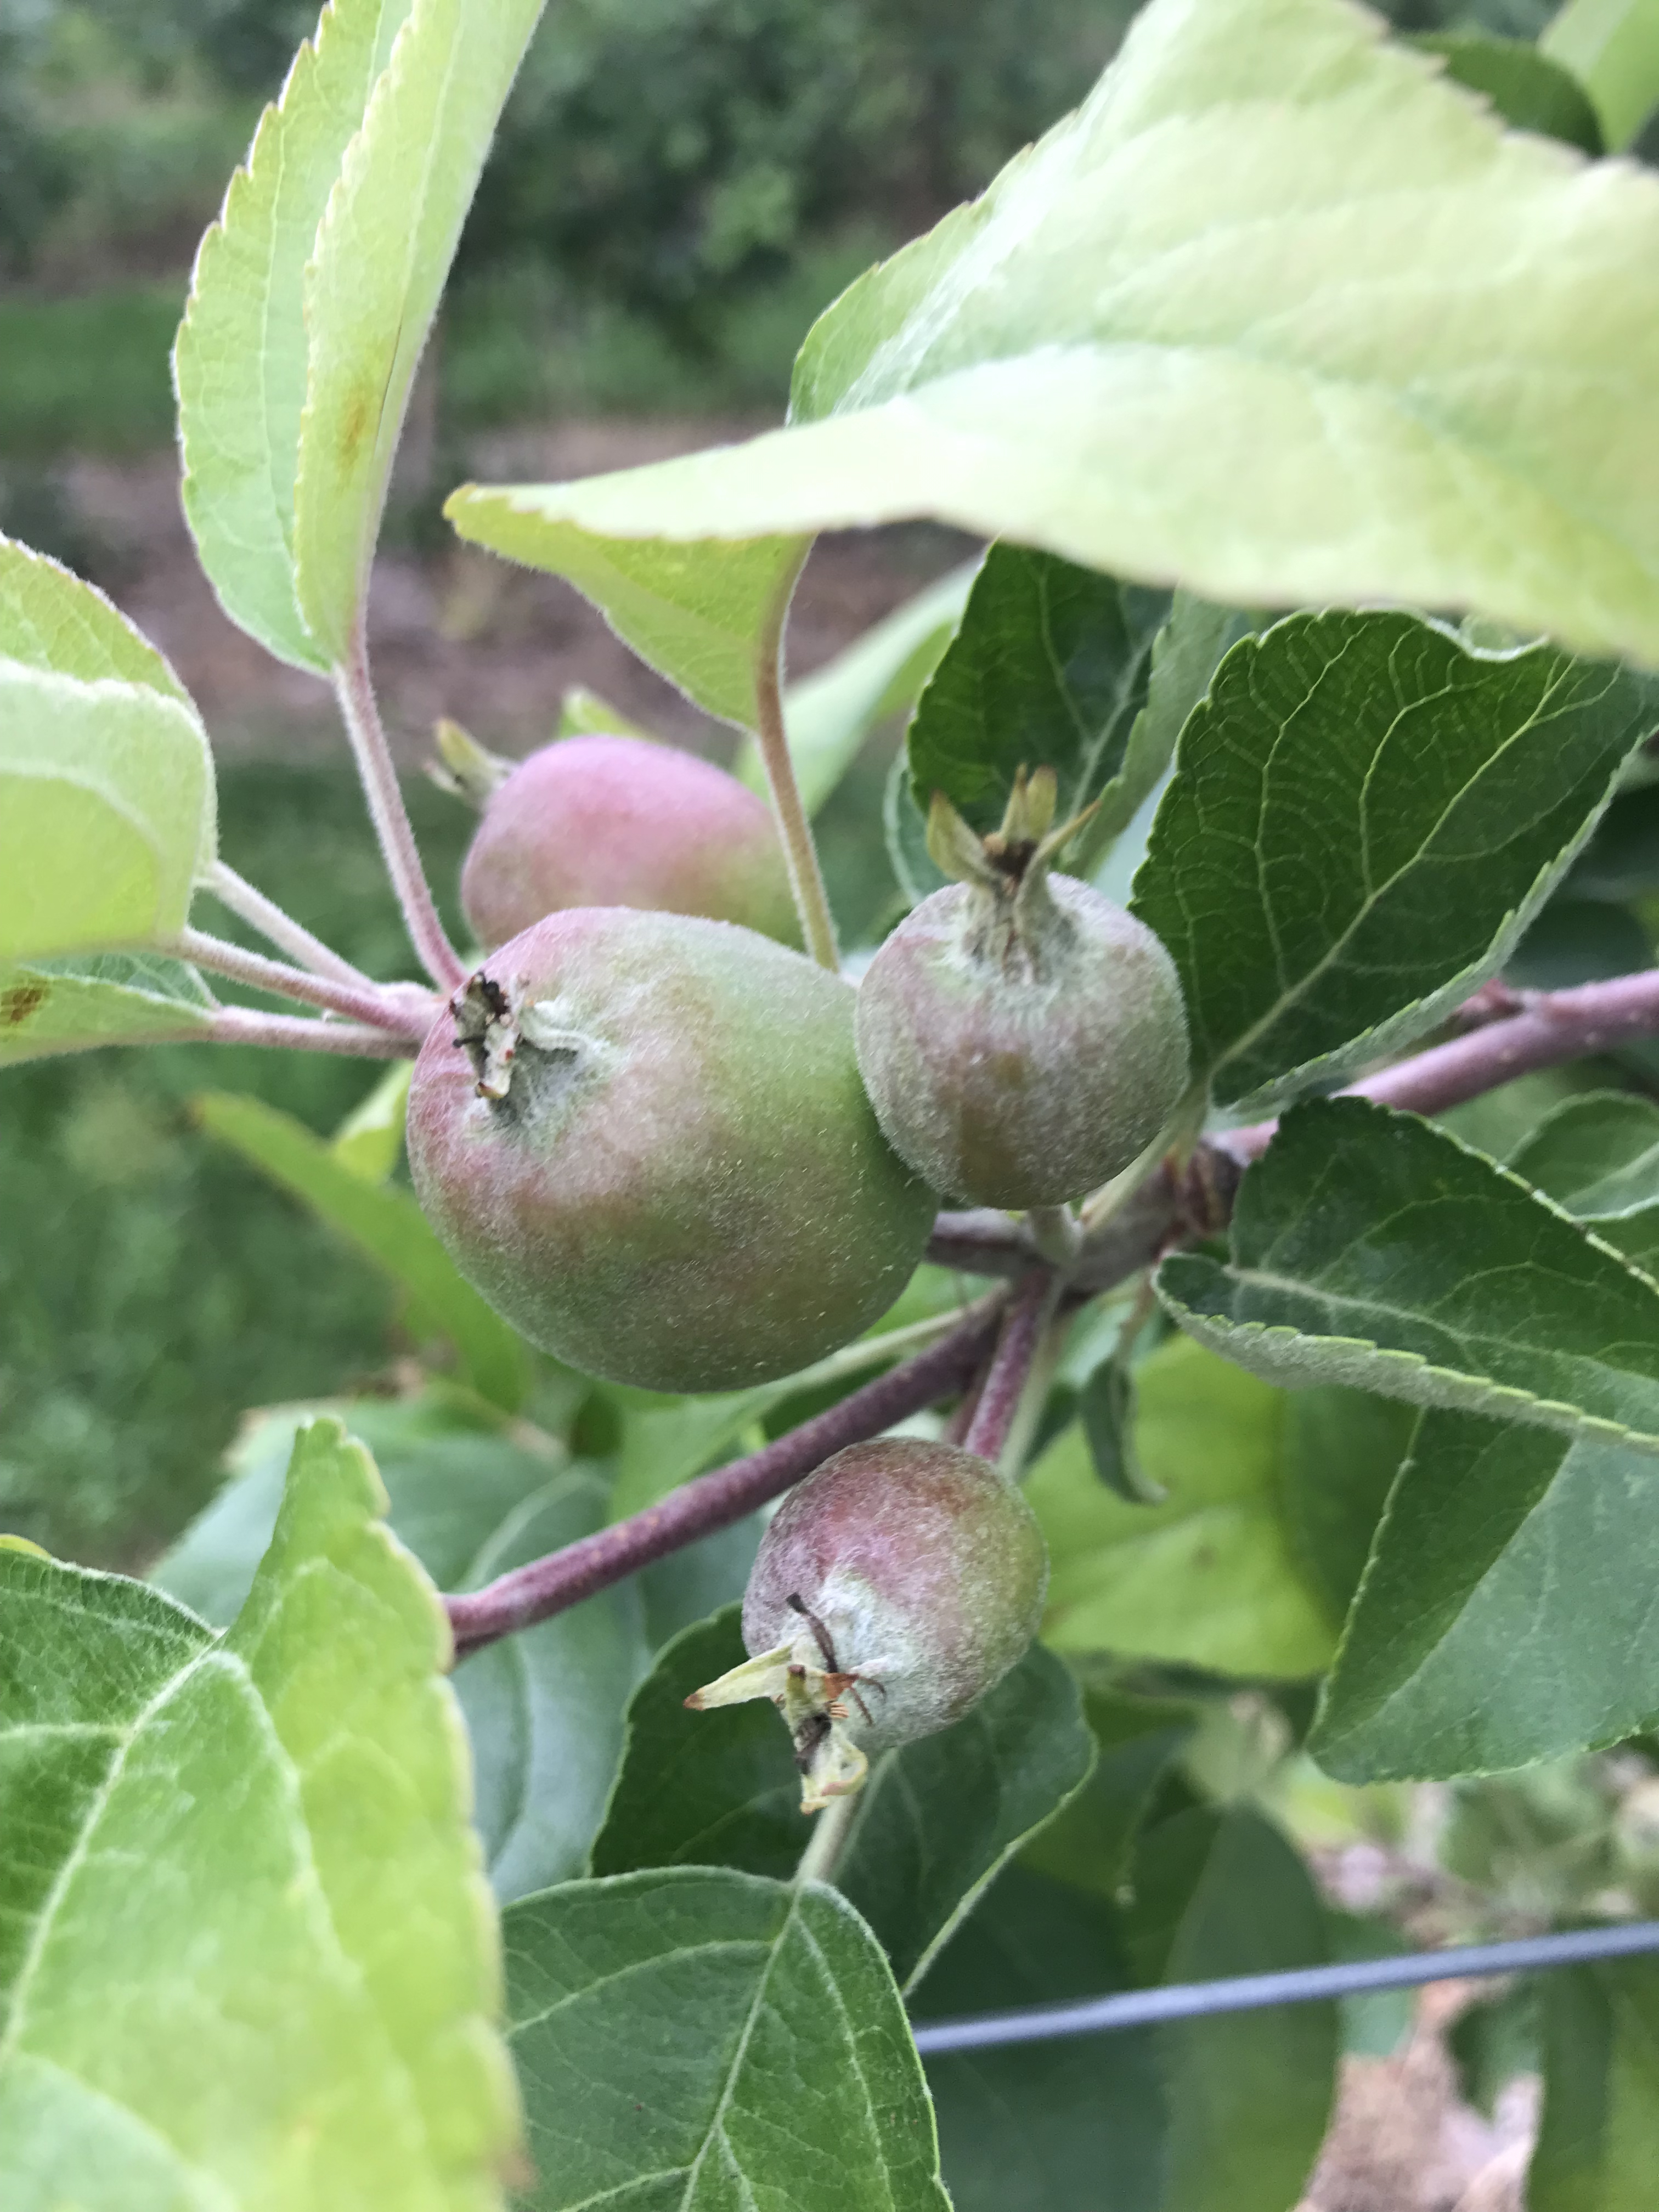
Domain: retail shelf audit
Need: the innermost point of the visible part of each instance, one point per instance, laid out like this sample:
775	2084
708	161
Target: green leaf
933	1825
1612	47
543	1708
387	1226
1089	1841
1498	1539
582	713
1597	1157
797	2086
1211	1579
106	812
1372	1249
370	1140
1529	90
1217	2116
240	360
1598	2137
1365	814
699	614
1048	669
247	1957
830	713
52	621
110	998
1169	343
1343	1450
905	827
373	283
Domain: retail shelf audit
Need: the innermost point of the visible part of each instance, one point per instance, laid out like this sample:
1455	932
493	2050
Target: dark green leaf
1622	860
389	1228
1048	669
1089	1841
1598	2141
690	2036
1495	2040
1598	1156
1342	1453
906	830
1106	1407
933	1825
1365	814
1529	90
543	1708
1578	940
1371	1249
1506	1613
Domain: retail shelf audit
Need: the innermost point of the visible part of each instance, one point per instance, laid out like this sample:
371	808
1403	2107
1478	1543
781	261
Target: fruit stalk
1030	1311
294	1033
406	1011
278	928
546	1586
353	687
794	830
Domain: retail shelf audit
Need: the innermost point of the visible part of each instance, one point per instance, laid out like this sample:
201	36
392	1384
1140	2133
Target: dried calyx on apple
894	1586
1022	1038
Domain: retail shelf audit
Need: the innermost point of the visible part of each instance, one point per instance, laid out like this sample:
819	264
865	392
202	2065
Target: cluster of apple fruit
677	1153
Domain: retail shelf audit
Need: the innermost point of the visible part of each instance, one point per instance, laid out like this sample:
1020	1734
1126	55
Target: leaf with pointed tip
1498	1539
97	999
1365	815
1169	343
1209	1578
905	827
800	2088
1597	1156
1529	90
543	1708
933	1825
1048	669
386	1225
52	621
1612	48
1089	1841
1371	1249
700	614
1598	2135
373	283
240	360
370	1140
247	1956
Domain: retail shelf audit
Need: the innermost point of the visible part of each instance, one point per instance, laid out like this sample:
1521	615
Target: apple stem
407	1011
279	928
827	1842
1028	1313
801	853
353	688
297	1033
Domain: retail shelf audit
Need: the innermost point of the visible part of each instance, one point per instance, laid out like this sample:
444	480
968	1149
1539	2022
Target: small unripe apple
1022	1038
643	1138
614	821
894	1587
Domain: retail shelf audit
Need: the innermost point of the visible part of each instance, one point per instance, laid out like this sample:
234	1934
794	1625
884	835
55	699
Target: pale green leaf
240	360
1210	1578
50	620
247	1958
693	2037
110	998
1285	318
1371	1249
1598	2136
1365	816
370	1140
1612	47
581	712
1498	1540
933	1825
386	1225
106	810
830	714
699	614
543	1708
371	288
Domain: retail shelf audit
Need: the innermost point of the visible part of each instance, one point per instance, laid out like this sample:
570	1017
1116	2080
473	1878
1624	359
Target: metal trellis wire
1301	1985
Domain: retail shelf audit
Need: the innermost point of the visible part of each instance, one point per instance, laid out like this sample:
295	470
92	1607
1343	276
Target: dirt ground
455	631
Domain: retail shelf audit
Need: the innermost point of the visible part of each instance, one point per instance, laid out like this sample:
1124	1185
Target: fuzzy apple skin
926	1569
694	1194
1021	1073
612	821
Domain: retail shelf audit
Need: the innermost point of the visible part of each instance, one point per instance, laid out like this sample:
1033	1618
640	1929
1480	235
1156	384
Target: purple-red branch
997	1401
713	1501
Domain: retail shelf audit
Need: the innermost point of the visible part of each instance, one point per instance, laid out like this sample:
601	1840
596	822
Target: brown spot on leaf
20	1002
